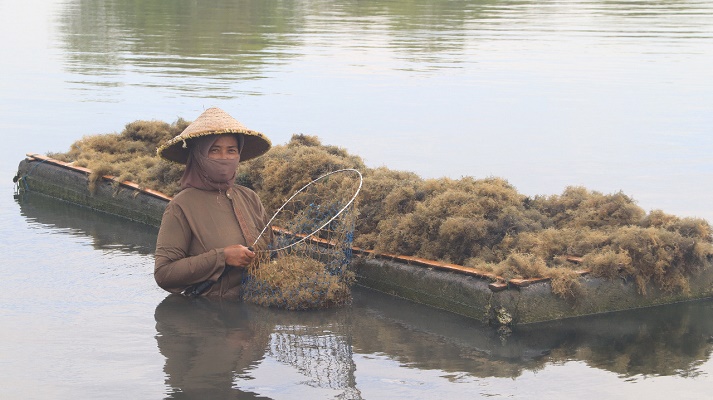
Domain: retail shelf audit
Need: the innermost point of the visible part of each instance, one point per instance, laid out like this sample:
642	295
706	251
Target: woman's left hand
238	255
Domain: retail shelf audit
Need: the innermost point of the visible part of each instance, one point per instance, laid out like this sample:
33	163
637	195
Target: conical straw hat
214	121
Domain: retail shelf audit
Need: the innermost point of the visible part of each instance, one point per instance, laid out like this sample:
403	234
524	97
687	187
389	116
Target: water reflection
211	346
230	40
216	348
321	353
667	340
664	341
107	232
111	43
207	342
108	41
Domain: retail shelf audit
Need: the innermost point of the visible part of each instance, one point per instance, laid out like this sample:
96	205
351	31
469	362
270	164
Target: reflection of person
208	227
207	343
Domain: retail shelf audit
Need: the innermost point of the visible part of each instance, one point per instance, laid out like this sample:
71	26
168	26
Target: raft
454	288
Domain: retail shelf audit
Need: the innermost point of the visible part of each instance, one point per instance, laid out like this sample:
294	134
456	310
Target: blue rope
23	178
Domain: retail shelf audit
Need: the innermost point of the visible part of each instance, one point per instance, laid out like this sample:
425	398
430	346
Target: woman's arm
174	270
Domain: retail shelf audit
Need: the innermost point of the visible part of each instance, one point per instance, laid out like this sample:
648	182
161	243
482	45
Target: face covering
206	173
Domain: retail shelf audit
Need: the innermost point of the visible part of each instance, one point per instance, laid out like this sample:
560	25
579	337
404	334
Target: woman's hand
238	255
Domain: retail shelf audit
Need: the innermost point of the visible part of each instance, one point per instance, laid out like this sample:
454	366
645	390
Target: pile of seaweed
482	223
129	155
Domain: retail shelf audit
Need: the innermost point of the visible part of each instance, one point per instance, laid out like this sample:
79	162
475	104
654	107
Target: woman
207	232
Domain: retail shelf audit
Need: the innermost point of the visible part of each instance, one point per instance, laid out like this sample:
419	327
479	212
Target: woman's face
225	148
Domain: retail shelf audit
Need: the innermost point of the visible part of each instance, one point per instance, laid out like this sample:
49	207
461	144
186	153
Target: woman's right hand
238	255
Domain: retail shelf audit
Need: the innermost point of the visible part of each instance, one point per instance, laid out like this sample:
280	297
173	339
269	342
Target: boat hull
453	288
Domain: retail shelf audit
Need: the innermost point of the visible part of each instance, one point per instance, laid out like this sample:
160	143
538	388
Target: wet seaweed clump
309	256
481	223
297	283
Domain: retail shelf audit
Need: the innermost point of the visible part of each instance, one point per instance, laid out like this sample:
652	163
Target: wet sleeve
174	269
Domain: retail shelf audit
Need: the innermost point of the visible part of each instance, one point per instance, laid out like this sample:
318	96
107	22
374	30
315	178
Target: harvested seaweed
482	223
306	264
297	283
130	155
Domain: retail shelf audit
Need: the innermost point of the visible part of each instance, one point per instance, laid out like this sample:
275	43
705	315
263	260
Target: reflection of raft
450	287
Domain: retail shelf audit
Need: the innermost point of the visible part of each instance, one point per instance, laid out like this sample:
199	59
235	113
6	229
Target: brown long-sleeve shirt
196	226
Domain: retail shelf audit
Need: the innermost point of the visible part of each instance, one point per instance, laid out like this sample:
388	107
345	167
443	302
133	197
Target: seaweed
482	223
297	283
129	155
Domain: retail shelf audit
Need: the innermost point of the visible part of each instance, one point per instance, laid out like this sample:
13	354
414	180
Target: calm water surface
610	95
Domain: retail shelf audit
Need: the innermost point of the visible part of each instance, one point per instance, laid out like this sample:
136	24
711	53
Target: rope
24	177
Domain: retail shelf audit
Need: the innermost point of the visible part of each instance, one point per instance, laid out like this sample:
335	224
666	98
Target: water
608	95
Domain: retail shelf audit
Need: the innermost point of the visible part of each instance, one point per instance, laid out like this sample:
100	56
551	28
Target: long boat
455	288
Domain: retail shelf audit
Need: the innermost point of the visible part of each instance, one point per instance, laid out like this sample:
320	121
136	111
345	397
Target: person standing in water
204	245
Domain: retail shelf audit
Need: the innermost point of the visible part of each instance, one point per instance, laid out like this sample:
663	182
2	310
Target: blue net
305	263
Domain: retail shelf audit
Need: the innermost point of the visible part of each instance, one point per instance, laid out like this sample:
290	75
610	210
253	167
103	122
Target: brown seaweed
482	223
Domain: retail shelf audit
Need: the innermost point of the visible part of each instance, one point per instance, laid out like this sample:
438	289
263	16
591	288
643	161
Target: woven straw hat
214	121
